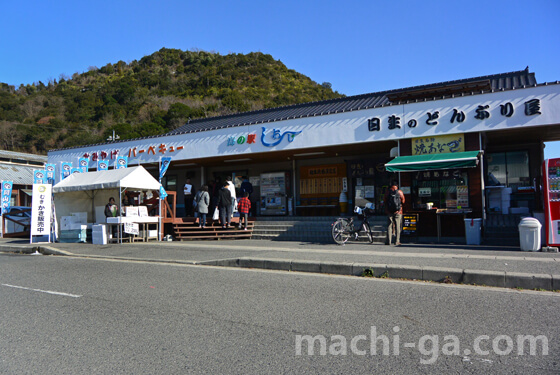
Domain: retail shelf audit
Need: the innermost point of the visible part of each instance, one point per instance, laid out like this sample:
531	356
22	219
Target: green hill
151	96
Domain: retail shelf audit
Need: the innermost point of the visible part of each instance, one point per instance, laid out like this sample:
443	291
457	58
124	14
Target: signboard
41	209
131	228
440	144
425	192
410	222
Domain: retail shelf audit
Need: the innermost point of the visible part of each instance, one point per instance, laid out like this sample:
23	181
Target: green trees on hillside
152	96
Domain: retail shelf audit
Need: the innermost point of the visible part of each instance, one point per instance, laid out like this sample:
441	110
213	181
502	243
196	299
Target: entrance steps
502	230
308	228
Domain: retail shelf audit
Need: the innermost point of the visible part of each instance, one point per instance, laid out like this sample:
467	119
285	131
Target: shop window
508	169
443	189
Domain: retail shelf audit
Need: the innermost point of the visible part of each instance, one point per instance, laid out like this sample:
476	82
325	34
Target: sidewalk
482	265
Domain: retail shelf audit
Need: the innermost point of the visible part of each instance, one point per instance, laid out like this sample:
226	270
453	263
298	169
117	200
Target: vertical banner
6	194
41	210
39	176
76	170
102	165
65	170
121	162
50	173
83	163
165	161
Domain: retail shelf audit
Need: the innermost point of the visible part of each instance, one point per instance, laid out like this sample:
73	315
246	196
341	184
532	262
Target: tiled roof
19	174
496	82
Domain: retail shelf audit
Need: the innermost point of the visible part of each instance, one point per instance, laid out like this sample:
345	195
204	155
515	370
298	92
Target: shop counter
143	221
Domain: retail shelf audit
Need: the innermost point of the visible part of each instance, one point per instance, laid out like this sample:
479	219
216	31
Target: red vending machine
551	185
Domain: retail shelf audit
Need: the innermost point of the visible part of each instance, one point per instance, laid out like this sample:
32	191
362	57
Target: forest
151	96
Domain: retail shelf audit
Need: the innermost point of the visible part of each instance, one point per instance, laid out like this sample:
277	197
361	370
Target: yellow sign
441	144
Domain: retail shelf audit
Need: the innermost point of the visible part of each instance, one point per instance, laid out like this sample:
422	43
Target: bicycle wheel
341	231
365	228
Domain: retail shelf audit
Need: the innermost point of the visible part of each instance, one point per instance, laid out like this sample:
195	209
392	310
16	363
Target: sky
358	46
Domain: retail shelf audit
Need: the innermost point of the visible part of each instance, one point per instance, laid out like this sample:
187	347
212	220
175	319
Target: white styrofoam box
80	217
99	228
99	239
79	226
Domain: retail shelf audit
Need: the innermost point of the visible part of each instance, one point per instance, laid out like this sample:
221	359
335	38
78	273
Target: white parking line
43	291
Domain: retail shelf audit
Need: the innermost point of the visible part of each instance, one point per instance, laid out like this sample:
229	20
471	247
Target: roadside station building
470	148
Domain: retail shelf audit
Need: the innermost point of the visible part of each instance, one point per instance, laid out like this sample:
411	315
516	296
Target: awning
467	159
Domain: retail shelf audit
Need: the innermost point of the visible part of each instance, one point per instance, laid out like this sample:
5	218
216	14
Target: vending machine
551	186
273	193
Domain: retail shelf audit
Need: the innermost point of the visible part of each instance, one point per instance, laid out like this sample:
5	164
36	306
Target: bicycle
344	228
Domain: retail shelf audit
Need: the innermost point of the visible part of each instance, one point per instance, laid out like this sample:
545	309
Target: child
243	207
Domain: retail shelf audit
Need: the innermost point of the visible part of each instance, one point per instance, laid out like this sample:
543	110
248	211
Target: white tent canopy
124	178
90	192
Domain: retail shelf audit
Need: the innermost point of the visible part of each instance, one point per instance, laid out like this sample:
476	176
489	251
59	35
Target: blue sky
357	46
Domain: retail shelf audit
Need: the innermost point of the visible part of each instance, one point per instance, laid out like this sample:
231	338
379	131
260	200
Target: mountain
152	96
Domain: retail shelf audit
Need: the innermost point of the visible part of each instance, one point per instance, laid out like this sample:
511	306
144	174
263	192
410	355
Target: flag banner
65	170
84	164
76	170
50	170
39	176
165	161
6	194
102	165
41	209
121	162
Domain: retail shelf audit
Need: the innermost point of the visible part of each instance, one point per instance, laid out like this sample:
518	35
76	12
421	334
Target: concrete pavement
481	265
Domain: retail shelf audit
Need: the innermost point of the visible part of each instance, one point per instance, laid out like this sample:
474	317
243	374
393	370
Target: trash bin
530	234
472	231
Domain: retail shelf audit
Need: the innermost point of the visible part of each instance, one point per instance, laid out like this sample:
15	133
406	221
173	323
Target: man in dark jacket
225	205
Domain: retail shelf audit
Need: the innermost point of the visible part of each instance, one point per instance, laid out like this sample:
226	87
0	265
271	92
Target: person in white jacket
231	188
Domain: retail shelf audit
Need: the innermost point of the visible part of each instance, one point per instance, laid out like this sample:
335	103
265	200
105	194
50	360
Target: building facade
467	148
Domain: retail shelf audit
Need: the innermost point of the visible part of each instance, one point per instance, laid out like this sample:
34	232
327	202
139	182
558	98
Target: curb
499	279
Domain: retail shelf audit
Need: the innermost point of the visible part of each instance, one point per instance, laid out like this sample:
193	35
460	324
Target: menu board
410	222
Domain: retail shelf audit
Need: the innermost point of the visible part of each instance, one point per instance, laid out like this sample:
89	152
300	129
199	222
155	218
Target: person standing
244	207
231	188
188	192
202	203
246	187
225	205
394	200
111	208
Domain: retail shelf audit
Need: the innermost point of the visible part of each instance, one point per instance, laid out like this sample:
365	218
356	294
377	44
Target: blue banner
39	176
121	162
102	165
162	193
50	173
65	170
84	164
6	194
76	170
165	161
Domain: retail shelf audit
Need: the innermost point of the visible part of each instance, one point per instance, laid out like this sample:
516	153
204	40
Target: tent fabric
413	163
129	178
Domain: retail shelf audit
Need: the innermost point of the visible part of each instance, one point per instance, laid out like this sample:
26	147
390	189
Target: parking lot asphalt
481	265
